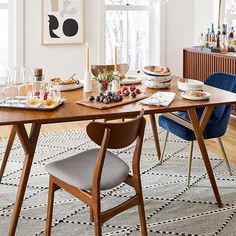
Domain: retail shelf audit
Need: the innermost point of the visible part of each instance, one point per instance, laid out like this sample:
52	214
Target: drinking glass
224	44
4	72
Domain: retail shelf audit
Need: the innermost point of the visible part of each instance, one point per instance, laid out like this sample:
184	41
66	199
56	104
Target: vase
103	86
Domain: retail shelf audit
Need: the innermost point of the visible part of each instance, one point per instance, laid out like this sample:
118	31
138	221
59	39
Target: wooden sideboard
199	64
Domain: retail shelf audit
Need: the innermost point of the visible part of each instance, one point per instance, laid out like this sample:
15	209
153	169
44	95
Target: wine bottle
231	36
218	37
213	36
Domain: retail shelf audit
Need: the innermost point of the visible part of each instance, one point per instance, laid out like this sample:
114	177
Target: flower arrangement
105	77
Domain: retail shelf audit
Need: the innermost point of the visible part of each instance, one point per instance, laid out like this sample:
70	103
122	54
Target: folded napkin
159	99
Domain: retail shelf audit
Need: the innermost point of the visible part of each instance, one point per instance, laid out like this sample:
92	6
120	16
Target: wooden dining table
71	111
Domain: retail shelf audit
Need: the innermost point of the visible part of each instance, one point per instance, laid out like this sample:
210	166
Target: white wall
184	21
59	60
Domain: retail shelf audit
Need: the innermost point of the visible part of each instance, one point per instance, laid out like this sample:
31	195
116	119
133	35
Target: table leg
199	137
29	145
155	135
7	151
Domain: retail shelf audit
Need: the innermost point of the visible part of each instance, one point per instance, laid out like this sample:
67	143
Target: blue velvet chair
216	126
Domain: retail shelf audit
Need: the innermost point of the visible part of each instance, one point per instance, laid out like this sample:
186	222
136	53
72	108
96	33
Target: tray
100	105
23	105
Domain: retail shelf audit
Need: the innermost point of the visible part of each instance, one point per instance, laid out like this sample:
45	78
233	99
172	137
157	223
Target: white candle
115	59
87	57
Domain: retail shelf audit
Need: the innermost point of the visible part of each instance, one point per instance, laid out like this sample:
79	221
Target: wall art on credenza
62	21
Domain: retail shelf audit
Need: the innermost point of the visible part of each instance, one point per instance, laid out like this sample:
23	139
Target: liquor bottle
231	37
201	41
224	31
218	37
207	38
213	36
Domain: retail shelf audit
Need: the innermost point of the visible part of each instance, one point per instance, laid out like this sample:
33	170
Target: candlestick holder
115	84
87	82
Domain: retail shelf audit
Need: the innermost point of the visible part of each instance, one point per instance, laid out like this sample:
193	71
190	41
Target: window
11	37
127	26
4	33
228	13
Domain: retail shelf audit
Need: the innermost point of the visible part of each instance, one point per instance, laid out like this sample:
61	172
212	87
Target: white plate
131	80
187	95
68	87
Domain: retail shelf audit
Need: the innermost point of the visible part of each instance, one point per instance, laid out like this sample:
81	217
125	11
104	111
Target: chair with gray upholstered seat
85	174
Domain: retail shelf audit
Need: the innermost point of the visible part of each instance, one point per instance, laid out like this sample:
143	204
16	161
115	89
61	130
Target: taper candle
87	57
115	59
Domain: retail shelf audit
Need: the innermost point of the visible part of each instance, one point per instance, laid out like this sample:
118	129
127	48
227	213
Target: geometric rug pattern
171	207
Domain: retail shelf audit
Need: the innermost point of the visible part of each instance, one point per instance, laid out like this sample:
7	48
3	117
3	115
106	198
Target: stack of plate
156	77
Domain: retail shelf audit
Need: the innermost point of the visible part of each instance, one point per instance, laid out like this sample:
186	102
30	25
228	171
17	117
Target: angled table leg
155	135
7	151
198	129
29	145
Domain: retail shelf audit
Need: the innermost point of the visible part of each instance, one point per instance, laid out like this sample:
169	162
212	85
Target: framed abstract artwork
62	21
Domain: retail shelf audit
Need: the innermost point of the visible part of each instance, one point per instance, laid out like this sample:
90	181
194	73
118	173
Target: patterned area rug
171	207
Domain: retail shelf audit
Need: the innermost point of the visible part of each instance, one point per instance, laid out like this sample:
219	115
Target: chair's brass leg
224	155
190	161
164	147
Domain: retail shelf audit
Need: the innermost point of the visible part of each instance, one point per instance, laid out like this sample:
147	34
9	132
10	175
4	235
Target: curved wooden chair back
122	68
122	134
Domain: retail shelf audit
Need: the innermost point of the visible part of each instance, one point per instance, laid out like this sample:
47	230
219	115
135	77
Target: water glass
224	44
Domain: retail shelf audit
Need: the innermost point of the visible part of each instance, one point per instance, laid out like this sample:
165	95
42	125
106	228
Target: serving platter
101	105
131	80
22	104
69	87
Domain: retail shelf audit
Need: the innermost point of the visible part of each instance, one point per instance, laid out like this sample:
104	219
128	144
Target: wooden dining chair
216	126
86	174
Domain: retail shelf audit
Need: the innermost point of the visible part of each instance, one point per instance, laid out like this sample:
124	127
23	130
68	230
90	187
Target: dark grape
98	99
91	98
133	94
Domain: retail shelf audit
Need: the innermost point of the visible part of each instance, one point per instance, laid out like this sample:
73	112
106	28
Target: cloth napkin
159	99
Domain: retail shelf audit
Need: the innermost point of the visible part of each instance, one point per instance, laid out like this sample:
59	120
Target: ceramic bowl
156	70
189	84
156	84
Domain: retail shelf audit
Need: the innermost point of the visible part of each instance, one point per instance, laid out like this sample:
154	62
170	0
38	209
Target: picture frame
62	22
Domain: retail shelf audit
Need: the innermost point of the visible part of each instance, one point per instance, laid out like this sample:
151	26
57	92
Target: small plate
131	80
68	87
187	95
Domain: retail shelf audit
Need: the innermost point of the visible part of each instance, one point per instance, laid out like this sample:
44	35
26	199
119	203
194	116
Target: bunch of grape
106	97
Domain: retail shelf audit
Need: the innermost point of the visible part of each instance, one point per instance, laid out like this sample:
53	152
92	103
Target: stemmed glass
4	74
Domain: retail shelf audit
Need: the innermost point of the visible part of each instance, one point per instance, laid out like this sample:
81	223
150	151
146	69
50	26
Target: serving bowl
157	84
189	84
156	70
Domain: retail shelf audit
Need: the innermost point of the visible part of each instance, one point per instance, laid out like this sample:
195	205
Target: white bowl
156	84
155	70
160	79
190	84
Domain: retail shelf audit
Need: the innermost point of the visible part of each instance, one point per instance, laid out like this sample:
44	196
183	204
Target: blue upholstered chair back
218	122
222	81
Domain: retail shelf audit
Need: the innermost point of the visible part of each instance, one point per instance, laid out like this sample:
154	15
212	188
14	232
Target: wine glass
4	73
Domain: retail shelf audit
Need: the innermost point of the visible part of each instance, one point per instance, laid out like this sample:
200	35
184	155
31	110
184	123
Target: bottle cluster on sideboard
220	40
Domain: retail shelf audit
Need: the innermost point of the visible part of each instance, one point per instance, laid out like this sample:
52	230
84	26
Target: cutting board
101	105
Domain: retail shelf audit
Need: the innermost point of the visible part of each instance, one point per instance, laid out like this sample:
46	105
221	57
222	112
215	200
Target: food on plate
197	93
64	82
161	69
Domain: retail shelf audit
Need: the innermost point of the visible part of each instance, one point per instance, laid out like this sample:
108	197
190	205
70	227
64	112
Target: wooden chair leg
142	218
190	161
224	155
51	190
97	220
155	135
7	151
164	146
91	215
